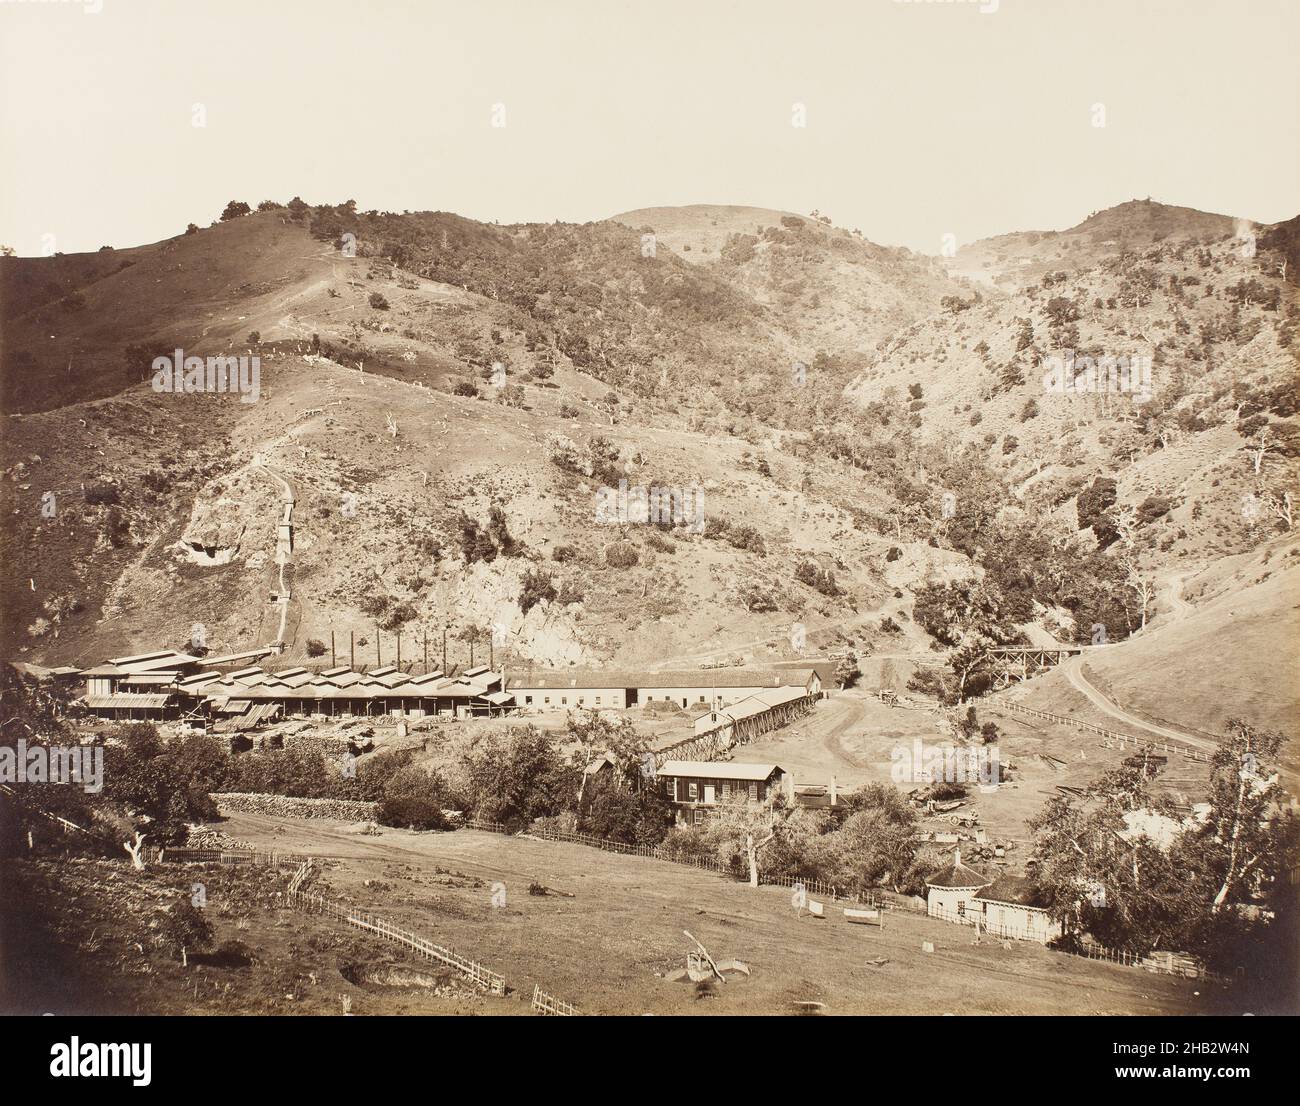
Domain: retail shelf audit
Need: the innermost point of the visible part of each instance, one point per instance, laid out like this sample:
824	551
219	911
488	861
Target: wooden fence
160	854
550	1005
487	827
310	903
317	904
709	864
879	899
1123	738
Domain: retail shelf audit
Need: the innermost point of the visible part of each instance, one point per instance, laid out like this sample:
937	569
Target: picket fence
1124	739
881	899
549	1005
310	903
658	852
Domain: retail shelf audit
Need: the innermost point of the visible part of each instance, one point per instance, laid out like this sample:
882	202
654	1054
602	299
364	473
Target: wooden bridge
1020	662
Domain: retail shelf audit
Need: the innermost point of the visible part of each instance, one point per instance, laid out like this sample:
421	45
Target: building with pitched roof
948	892
1006	906
1011	907
167	685
696	787
543	689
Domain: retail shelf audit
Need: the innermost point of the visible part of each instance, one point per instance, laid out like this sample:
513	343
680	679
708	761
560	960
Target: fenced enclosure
1112	735
311	903
884	900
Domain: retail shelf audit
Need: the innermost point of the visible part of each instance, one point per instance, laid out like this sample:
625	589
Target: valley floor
608	948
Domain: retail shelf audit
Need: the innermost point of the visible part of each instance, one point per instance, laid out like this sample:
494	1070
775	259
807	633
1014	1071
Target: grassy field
609	946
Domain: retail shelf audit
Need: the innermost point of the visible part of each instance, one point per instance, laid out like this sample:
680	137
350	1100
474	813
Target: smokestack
834	792
788	780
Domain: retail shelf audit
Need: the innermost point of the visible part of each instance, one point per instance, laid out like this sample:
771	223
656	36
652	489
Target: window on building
564	700
697	816
528	700
692	791
961	909
753	791
547	700
597	700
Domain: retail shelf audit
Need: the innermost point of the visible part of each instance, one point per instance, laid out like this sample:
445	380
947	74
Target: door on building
629	696
708	793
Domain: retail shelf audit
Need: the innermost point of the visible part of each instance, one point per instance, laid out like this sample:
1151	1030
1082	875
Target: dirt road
1074	672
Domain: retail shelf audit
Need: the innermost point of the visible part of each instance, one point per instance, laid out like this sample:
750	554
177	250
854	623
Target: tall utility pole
352	649
444	648
399	650
379	650
334	661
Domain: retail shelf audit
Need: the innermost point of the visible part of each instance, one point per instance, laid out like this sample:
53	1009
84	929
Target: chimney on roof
833	792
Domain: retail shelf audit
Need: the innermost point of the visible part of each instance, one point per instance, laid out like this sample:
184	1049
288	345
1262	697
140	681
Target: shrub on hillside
621	554
821	580
537	585
101	495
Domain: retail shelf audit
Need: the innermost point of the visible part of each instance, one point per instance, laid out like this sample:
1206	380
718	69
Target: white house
1007	906
1010	907
949	891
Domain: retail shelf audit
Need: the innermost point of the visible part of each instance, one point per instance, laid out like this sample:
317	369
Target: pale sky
922	118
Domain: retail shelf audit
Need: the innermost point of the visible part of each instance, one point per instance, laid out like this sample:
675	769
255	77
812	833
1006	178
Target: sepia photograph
587	509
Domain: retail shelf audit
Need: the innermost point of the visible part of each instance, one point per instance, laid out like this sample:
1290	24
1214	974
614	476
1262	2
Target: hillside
444	398
833	293
1022	258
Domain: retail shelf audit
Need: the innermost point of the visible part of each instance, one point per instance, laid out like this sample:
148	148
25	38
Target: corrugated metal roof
231	658
104	670
137	702
717	770
693	678
263	712
777	696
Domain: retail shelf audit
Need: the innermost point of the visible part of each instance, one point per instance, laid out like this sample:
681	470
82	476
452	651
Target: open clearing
607	948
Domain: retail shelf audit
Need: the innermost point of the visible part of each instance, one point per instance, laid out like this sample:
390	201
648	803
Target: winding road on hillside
1073	669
